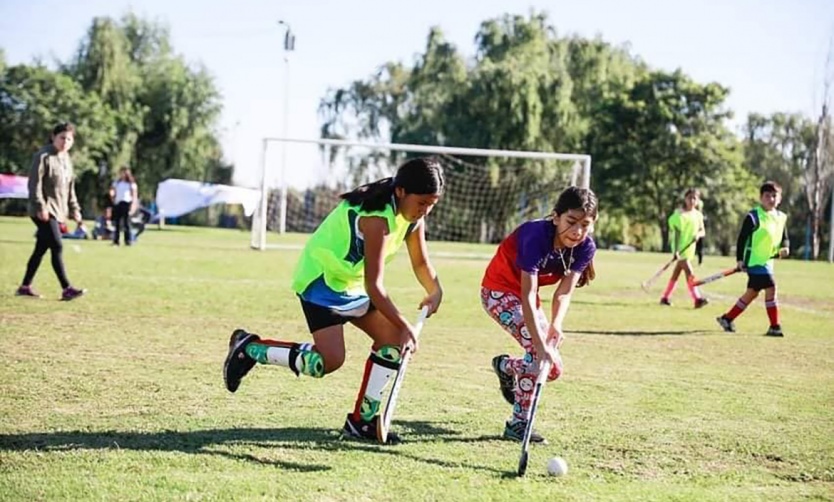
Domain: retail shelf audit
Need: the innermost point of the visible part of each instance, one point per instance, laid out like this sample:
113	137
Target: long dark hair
420	176
583	199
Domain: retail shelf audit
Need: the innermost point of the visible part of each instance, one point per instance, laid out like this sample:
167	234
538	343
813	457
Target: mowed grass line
120	396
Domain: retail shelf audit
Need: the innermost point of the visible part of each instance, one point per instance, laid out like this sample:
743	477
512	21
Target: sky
771	54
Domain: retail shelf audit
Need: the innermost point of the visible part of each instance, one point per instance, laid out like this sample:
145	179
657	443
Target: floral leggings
505	309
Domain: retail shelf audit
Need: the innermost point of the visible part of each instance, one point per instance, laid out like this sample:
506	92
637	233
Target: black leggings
121	215
48	237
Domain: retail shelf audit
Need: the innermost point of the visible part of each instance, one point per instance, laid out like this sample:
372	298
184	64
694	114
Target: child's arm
785	247
529	295
423	269
747	229
559	306
375	230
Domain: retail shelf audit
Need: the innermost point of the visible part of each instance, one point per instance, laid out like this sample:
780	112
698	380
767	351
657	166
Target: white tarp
178	197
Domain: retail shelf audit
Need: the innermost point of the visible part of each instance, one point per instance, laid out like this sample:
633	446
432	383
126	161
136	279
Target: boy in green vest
763	236
339	280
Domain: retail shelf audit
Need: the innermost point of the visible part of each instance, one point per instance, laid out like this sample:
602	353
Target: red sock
669	288
772	311
737	309
694	292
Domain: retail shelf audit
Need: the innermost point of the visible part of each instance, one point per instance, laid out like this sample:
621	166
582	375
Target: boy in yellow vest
763	236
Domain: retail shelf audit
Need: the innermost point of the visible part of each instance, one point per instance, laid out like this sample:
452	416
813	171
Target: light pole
289	45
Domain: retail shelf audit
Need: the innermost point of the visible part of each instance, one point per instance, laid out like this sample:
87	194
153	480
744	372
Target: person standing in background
51	200
125	195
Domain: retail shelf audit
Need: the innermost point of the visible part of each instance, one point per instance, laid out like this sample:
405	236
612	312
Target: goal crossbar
583	159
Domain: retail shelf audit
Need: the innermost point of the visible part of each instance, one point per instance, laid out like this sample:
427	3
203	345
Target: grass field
119	395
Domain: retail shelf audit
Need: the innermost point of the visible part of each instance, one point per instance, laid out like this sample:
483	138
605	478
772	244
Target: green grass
119	395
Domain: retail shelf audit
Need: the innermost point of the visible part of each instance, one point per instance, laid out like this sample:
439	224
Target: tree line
134	101
651	133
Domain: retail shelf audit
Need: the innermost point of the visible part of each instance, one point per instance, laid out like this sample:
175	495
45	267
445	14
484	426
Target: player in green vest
686	225
338	279
763	236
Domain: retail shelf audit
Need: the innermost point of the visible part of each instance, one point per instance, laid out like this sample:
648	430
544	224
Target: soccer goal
488	192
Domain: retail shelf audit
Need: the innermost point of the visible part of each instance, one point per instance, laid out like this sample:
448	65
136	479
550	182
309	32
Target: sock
736	310
772	307
693	291
670	287
301	358
381	365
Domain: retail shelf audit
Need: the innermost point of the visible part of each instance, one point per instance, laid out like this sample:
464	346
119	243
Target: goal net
488	192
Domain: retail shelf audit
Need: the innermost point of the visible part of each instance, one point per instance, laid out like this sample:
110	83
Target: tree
658	138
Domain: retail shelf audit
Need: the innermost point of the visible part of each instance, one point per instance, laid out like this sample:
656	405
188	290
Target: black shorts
758	282
319	317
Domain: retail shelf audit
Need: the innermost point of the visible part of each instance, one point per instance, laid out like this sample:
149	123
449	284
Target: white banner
178	197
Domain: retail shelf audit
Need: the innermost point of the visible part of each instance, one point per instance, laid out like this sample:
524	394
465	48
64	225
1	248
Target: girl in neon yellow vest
338	279
686	226
763	236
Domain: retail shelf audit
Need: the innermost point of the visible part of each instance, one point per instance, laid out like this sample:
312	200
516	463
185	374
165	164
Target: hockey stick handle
388	414
647	283
716	276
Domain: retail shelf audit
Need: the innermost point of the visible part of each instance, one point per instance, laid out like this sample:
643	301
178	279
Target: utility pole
289	46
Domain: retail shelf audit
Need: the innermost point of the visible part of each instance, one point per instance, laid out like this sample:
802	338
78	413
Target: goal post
487	190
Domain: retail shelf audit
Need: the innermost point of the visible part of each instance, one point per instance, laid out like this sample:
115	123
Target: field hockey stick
718	275
391	405
528	431
648	283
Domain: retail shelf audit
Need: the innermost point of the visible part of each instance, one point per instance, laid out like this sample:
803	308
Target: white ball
557	466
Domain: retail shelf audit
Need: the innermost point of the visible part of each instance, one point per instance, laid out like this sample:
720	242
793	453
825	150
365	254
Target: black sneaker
237	363
775	331
70	293
701	302
665	302
506	382
27	291
515	432
727	324
367	431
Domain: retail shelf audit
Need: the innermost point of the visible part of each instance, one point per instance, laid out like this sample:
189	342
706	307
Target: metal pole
261	244
289	45
831	227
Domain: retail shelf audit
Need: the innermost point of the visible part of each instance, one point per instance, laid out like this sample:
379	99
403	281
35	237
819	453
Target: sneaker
237	363
506	382
775	331
27	291
367	431
70	293
726	324
666	302
514	430
701	302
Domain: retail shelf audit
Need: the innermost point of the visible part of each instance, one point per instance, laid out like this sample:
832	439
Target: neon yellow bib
336	249
766	239
686	224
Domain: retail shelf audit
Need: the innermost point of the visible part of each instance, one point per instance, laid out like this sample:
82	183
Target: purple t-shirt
530	248
537	256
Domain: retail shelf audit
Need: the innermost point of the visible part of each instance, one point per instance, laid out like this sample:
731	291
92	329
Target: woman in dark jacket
51	200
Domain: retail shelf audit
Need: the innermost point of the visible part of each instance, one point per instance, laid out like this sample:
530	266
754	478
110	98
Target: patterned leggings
505	309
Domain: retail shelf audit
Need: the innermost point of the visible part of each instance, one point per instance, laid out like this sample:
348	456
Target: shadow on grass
205	442
627	332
